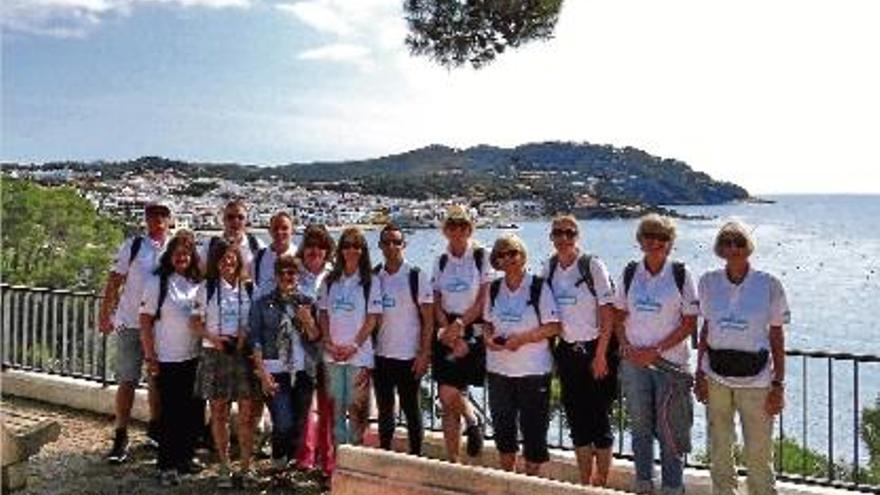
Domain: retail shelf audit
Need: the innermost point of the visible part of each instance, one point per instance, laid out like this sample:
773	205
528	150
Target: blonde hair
507	242
656	224
567	219
733	230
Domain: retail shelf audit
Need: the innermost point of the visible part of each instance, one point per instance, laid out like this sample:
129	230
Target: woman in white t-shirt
349	307
171	354
226	372
741	365
458	356
521	318
586	364
658	307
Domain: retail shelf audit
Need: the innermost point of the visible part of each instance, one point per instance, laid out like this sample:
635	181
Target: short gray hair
656	224
507	242
734	230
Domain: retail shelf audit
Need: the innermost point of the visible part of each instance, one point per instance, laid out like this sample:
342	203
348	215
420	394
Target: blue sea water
826	251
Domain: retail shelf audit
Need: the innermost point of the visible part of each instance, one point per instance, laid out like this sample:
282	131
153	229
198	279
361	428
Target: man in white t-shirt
235	222
135	262
403	344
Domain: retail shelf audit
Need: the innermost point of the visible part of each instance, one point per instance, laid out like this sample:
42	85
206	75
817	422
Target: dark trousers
183	414
391	374
289	408
587	401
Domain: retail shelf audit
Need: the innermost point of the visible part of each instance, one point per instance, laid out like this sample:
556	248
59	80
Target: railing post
856	422
44	330
57	364
804	416
26	351
830	419
65	320
74	327
6	298
16	327
96	345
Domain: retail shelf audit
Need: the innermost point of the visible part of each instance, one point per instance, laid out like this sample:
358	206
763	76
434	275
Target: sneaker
248	479
475	438
224	478
279	464
194	466
169	477
152	440
119	453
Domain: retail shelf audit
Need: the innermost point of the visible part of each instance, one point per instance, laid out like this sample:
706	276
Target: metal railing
817	440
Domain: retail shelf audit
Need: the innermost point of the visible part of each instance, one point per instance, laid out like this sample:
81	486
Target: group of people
314	332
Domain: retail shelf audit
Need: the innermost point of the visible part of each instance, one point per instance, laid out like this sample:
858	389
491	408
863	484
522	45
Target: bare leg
453	405
533	468
585	462
507	461
124	402
603	465
246	431
220	428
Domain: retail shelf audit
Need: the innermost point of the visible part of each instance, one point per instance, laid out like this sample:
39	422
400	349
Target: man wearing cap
137	258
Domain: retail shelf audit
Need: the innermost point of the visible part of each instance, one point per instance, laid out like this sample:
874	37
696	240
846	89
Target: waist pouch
728	362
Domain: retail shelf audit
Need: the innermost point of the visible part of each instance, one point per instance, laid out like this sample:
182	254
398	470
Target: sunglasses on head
570	233
733	242
656	236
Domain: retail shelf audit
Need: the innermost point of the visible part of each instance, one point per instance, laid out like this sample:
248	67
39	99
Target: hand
600	366
489	339
514	342
152	367
105	326
449	334
218	342
345	352
304	314
701	388
268	384
460	349
775	401
420	365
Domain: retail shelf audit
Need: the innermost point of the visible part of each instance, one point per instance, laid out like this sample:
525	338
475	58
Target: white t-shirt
513	315
244	247
175	342
136	274
347	310
225	312
266	283
459	283
309	284
655	308
400	330
739	317
578	309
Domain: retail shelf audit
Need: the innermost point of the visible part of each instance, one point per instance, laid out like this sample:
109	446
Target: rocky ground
73	464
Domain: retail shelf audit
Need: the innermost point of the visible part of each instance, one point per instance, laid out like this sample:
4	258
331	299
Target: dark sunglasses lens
570	233
234	217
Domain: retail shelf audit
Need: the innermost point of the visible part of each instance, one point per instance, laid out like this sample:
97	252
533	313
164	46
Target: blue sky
776	96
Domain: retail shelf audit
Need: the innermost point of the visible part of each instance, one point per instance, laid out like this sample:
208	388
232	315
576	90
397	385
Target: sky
777	96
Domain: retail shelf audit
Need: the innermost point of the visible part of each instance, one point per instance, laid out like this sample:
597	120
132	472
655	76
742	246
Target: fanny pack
729	362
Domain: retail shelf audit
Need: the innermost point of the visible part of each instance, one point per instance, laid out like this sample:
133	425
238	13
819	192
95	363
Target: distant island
591	181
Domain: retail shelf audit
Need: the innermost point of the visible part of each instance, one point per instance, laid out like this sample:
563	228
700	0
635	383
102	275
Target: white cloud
317	15
337	52
77	18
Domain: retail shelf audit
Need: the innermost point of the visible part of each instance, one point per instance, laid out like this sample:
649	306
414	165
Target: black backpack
678	271
258	259
413	282
479	258
163	294
583	264
534	294
136	244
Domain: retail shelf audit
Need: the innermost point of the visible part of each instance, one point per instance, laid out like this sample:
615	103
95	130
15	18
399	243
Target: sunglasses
392	242
287	273
569	233
507	254
457	224
733	242
656	236
350	245
234	216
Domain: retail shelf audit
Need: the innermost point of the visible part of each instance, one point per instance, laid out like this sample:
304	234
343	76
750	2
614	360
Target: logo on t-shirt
646	304
457	285
388	301
510	316
342	303
566	299
733	323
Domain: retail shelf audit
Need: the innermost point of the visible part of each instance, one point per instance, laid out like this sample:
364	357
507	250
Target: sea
826	251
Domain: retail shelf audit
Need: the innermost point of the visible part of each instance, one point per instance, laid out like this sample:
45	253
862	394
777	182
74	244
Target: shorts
225	376
460	372
523	401
129	355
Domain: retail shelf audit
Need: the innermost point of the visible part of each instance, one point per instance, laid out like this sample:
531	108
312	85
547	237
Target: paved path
74	465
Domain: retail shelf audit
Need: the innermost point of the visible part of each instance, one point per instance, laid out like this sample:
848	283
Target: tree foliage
458	32
52	237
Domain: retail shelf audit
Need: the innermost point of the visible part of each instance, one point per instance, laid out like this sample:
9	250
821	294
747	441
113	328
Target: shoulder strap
377	269
678	272
253	243
163	293
211	288
258	260
444	259
551	269
494	288
583	264
535	295
479	256
414	285
366	285
249	288
628	274
136	244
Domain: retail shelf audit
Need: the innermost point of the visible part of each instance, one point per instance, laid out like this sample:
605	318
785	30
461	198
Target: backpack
258	259
212	287
413	282
136	244
479	257
534	294
163	294
678	271
583	264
